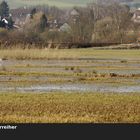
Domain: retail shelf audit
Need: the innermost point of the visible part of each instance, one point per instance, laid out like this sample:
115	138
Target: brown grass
68	54
70	107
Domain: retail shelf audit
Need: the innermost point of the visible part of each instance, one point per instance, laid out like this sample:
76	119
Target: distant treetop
4	9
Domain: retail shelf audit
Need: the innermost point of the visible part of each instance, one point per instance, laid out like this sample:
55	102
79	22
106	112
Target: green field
58	3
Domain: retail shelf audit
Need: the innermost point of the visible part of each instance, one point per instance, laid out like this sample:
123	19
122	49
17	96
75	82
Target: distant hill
133	3
59	3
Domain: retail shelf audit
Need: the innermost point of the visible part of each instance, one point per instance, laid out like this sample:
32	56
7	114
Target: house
28	18
20	21
54	24
3	22
65	28
20	15
136	16
74	15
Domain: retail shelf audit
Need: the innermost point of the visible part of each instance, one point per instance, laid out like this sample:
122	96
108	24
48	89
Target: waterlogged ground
84	75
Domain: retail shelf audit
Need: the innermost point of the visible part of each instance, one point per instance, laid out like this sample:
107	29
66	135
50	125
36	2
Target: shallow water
115	85
111	66
74	87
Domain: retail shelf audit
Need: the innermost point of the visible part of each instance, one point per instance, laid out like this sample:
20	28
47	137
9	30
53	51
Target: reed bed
21	54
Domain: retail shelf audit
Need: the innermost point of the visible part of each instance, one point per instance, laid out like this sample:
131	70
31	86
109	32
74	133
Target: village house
136	16
74	15
3	22
54	24
65	28
21	16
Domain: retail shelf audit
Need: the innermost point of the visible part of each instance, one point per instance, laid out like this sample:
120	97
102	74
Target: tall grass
22	54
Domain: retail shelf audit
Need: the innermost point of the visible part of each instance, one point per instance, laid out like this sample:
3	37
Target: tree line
96	23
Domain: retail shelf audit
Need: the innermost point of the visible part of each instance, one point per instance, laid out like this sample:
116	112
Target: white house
5	21
136	16
65	28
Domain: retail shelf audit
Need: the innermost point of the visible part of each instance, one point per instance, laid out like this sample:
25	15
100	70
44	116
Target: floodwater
68	83
73	88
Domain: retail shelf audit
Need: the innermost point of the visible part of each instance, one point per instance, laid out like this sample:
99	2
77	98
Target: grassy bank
68	54
70	107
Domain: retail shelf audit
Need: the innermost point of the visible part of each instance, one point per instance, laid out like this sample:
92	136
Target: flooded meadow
73	85
70	75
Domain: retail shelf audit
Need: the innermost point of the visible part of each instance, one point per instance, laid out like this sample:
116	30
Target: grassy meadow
58	3
21	54
69	108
